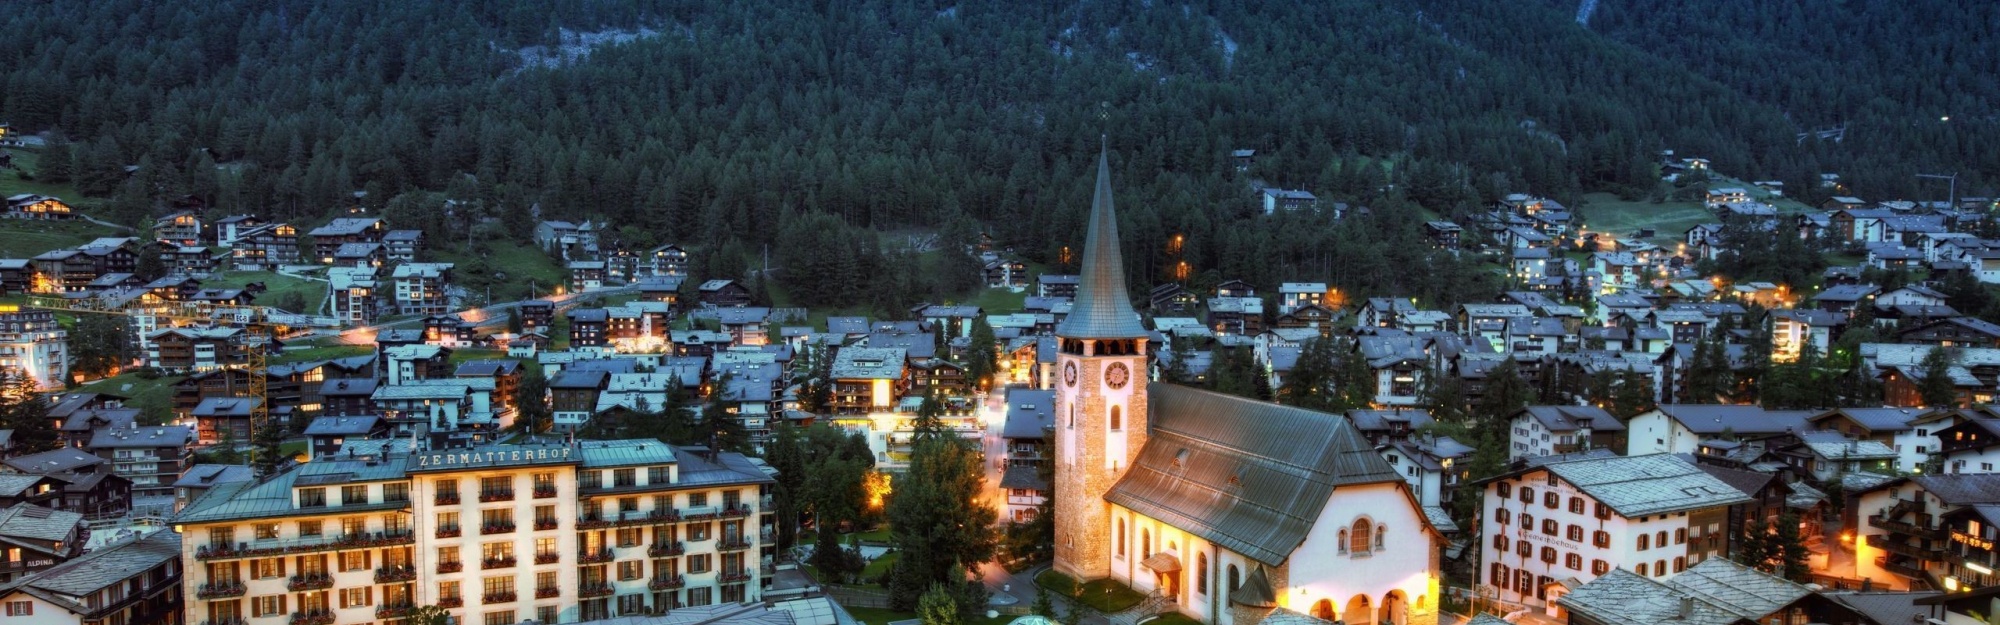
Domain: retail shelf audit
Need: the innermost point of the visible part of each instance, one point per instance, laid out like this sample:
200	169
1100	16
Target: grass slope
153	397
20	238
512	270
278	288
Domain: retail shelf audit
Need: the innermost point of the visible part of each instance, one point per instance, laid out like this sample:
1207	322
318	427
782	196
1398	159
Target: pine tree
937	518
938	607
982	358
1309	384
26	412
1506	393
1936	386
1043	606
268	439
1791	549
99	345
56	164
531	404
1754	549
1633	395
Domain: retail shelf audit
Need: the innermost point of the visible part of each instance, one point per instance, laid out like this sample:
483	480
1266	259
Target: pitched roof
1644	485
1103	307
1723	592
33	522
1247	475
1029	413
99	569
145	436
209	475
52	461
1572	418
1714	419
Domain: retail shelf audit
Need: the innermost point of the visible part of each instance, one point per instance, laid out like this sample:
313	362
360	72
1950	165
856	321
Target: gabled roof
1641	485
1877	420
100	569
1250	476
1558	418
1723	593
53	461
142	437
211	475
35	523
1029	413
1714	419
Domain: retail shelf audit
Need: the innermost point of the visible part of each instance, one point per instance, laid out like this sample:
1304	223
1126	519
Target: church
1224	509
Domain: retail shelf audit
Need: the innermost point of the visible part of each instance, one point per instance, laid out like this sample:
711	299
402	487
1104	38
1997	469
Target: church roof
1247	475
1103	308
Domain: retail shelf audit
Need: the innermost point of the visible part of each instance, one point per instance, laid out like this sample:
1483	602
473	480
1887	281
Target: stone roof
1714	419
1722	593
99	569
145	436
52	461
1250	476
869	363
1557	418
1029	413
1645	485
37	523
1837	446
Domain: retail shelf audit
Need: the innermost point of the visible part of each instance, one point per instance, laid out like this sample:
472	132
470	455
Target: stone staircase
1155	603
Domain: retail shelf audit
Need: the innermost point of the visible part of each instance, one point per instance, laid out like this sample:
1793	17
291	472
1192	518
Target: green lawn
1103	595
509	268
321	352
1001	301
21	238
1605	212
154	398
292	448
876	536
879	566
29	160
278	288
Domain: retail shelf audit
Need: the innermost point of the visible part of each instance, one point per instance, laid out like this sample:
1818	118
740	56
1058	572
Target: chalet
1235	288
1531	263
668	261
151	457
329	239
561	235
363	254
402	246
505	374
31	206
1432	465
1681	428
940	376
421	288
1842	202
355	294
220	419
227	297
17	276
1056	285
1243	158
1844	298
724	294
1971	446
38	539
267	246
181	229
1912	433
663	289
1310	315
868	379
229	230
326	435
1240	316
1274	200
1004	273
1173	299
196	349
587	327
1398	364
747	325
1795	329
1443	234
1953	332
574	397
1904	537
191	260
537	315
405	364
1381	312
347	396
585	275
450	331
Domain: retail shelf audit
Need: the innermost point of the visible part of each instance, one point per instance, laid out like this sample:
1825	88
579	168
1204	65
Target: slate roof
887	363
1885	608
1723	592
1837	446
98	570
33	522
1103	307
1023	477
209	475
1029	413
1748	482
1714	419
1572	418
142	437
1371	420
53	461
1250	476
1644	485
339	426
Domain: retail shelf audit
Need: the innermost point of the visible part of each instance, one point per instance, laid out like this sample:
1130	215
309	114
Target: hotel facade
495	535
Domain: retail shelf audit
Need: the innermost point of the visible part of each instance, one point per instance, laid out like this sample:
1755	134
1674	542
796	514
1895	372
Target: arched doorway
1359	611
1395	609
1324	611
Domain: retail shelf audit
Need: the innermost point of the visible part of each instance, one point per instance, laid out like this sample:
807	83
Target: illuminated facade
503	534
31	342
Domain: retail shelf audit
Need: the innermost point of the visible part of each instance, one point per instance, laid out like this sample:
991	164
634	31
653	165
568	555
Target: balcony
547	558
496	528
315	617
451	602
496	563
733	543
445	499
310	581
449	531
393	574
490	496
735	512
223	621
1919	529
220	590
398	610
591	590
1879	541
334	543
547	593
1905	569
593	557
667	582
545	492
451	567
627	519
739	575
546	524
661	550
499	597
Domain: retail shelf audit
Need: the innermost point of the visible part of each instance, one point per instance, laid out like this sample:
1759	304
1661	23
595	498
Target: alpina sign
491	457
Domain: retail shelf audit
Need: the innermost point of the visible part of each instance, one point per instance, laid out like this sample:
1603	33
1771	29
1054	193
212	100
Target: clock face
1117	375
1069	373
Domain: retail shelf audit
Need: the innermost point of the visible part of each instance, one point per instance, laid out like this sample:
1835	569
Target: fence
857	597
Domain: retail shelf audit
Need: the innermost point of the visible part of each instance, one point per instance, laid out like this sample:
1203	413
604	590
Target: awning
1162	562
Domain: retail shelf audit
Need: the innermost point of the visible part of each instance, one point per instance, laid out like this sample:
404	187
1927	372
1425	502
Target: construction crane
262	326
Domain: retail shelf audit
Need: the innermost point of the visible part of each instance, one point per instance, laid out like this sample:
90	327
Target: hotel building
496	535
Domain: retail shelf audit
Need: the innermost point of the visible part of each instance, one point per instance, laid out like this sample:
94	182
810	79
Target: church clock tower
1100	395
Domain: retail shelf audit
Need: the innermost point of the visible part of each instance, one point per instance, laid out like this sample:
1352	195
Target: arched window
1146	543
1117	419
1680	563
1342	546
1660	567
1660	538
1362	539
1234	579
1121	538
1379	531
1201	573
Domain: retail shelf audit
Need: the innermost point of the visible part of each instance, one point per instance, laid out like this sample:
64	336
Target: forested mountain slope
729	118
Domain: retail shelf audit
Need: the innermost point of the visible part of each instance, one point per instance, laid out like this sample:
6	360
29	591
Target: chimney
1687	608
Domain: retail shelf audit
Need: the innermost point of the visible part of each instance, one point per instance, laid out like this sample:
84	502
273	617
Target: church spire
1103	308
